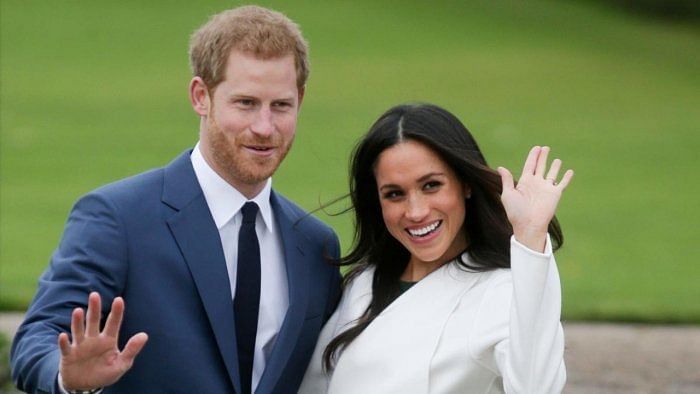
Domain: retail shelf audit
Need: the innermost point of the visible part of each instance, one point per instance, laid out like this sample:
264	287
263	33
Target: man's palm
93	359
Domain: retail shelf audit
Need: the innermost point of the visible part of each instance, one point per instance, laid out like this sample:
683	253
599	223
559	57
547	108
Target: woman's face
422	202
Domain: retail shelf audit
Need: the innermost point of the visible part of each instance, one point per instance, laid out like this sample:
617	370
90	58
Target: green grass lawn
92	91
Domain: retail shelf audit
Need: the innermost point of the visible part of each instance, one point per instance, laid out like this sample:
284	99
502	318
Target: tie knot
250	211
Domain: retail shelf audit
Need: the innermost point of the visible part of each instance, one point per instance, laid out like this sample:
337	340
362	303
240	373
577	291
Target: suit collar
294	243
197	237
180	185
196	234
225	200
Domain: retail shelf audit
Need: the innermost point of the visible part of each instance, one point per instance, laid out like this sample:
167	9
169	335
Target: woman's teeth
422	232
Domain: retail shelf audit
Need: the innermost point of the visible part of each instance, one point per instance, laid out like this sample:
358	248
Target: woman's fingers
531	161
542	161
506	178
565	179
536	164
553	171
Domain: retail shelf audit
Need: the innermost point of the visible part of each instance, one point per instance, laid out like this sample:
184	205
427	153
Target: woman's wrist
532	238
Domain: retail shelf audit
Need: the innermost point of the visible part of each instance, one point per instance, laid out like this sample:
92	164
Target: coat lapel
420	312
293	243
198	239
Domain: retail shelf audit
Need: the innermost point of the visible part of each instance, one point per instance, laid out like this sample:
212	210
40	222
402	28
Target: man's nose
263	124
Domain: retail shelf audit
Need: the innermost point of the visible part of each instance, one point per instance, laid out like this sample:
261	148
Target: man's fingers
566	179
531	161
133	347
114	319
542	161
77	325
64	344
506	179
92	326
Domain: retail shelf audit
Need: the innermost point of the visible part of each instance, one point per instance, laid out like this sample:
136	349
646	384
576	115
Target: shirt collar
223	199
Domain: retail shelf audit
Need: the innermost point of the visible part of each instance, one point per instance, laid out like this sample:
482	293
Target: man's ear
199	96
302	90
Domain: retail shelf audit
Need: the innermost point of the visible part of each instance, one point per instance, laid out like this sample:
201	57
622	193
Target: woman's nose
417	208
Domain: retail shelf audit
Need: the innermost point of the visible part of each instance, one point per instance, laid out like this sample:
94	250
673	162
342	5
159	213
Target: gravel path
605	358
616	358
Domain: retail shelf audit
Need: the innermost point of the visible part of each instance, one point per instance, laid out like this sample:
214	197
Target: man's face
251	120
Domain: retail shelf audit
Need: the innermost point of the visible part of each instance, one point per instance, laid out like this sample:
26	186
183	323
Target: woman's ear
467	192
199	96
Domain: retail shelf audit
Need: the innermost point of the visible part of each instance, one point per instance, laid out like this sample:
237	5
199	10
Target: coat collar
421	311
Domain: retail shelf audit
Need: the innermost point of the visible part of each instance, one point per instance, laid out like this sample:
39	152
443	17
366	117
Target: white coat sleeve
531	358
355	300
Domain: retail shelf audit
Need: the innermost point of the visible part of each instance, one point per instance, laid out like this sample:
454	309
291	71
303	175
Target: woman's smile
423	205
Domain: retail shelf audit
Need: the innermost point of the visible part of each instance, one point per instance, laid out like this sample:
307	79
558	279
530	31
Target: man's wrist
66	391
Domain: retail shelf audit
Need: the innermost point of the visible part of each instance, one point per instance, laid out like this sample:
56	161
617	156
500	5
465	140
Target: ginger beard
230	155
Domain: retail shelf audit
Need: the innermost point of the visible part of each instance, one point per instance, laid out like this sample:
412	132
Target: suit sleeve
91	256
531	358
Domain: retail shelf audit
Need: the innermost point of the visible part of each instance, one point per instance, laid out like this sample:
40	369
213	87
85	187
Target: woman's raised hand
531	204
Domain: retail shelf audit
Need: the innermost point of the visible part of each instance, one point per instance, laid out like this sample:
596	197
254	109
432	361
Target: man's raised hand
93	360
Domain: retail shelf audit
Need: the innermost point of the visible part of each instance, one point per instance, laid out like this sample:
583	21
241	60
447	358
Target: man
226	283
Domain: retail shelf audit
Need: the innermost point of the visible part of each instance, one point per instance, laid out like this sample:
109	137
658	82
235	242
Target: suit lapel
198	239
293	242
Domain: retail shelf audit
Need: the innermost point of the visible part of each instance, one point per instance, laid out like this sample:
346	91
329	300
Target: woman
454	287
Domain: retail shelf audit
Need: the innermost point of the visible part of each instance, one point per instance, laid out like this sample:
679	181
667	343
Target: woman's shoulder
487	286
484	277
360	280
500	276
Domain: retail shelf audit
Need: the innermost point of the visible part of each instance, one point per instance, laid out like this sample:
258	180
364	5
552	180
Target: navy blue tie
247	298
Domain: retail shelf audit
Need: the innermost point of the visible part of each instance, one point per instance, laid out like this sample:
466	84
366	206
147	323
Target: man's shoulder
149	186
300	218
139	188
134	186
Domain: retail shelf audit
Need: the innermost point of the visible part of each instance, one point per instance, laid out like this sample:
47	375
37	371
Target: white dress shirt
225	203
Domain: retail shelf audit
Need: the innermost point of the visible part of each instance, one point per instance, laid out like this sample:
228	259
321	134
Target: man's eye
282	105
245	102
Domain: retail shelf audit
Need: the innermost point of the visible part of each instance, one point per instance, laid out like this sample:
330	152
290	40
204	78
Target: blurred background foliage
93	91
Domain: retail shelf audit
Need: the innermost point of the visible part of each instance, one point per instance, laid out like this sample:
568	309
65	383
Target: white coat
455	331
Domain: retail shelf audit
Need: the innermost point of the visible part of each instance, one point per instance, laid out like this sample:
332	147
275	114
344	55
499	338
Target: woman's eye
392	194
431	185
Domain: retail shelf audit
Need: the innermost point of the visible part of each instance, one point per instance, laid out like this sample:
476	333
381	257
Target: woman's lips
425	233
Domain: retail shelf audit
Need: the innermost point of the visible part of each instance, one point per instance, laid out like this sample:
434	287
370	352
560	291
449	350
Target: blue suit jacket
151	239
